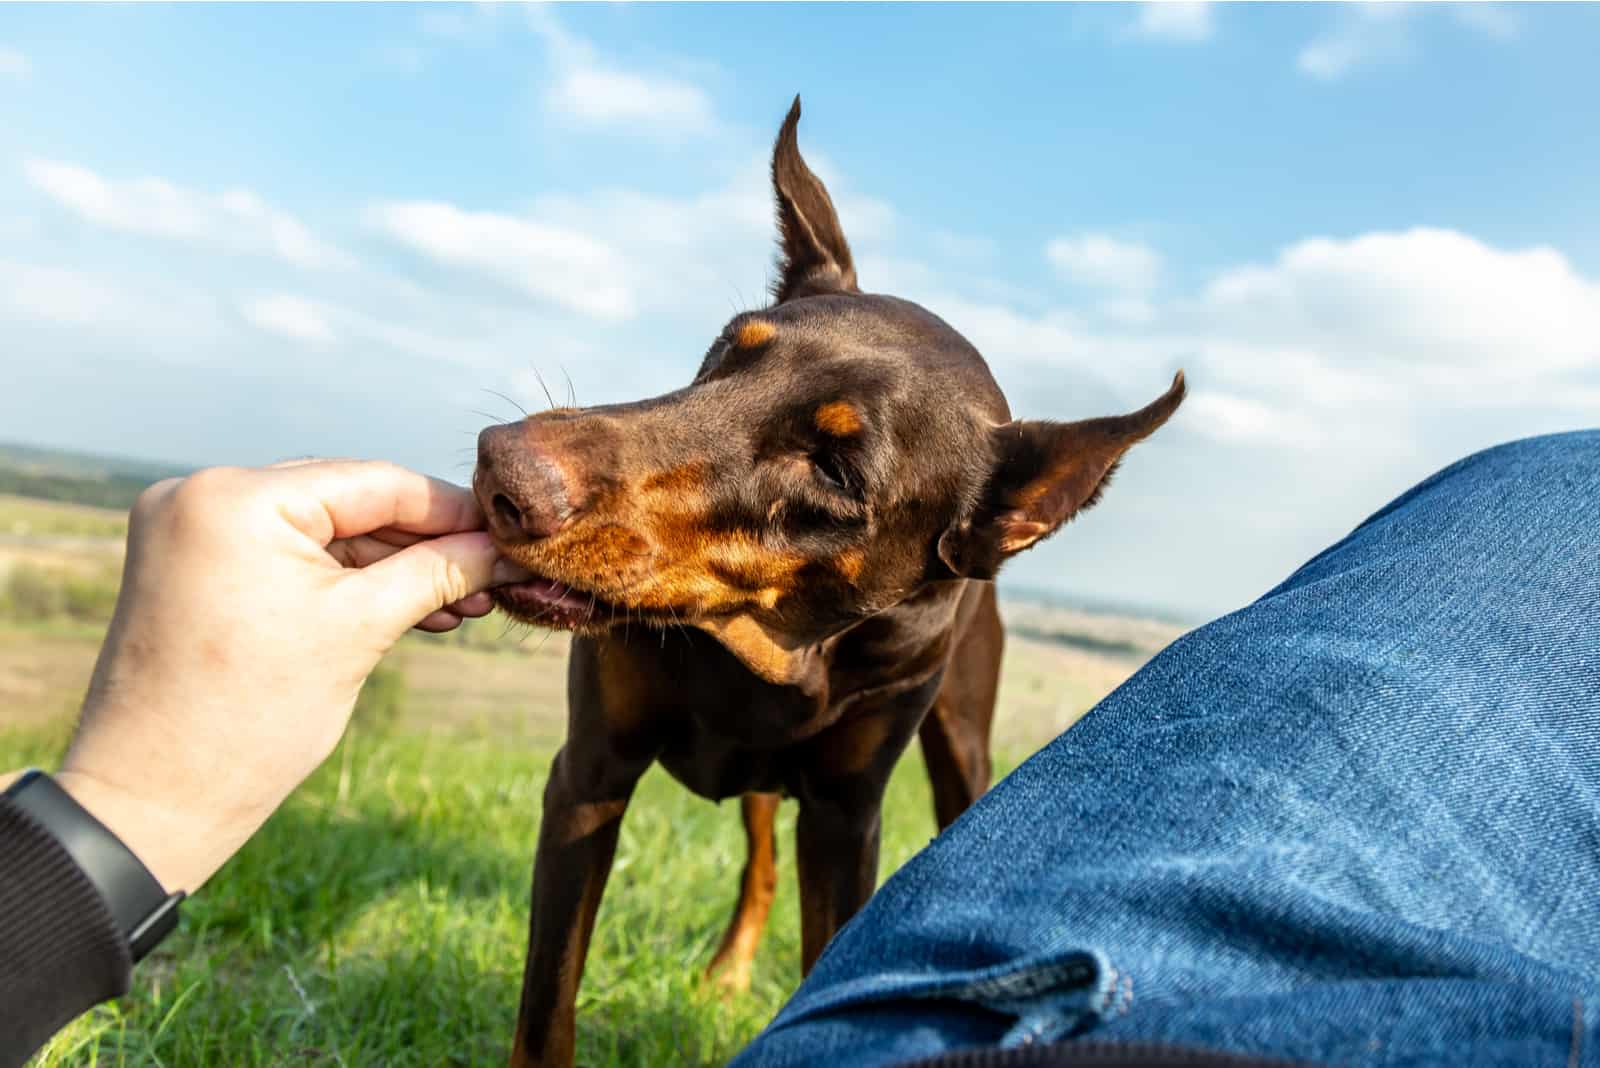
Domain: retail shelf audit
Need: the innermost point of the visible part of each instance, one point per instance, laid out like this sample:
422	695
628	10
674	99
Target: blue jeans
1357	821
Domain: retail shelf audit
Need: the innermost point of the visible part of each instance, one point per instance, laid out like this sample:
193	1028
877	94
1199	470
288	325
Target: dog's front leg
584	802
840	789
836	845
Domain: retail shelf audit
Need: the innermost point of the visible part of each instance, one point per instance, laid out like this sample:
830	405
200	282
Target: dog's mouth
559	605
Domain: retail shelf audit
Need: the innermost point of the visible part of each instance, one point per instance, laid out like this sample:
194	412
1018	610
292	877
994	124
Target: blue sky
1370	233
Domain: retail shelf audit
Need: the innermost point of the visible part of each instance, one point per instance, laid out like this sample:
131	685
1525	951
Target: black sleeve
60	950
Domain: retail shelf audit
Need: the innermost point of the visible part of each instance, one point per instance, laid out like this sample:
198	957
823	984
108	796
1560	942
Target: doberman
776	576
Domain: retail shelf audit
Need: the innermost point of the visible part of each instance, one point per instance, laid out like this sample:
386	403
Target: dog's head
836	451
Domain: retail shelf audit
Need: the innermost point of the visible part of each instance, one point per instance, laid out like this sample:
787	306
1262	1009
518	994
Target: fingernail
508	571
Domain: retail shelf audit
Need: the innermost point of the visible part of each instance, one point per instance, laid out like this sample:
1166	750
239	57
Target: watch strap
139	904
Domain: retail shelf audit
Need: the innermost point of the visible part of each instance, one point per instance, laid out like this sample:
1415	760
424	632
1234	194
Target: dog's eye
831	471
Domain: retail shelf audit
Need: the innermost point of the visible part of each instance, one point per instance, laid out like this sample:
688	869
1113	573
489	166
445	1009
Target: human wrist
181	844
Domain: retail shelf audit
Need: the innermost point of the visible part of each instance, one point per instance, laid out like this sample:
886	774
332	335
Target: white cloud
582	88
1129	310
1175	20
13	64
436	28
1329	57
1365	33
1098	260
588	91
173	322
1394	324
1421	301
236	219
596	96
557	263
1492	20
432	330
55	295
1371	33
615	254
1230	417
289	316
1006	334
458	23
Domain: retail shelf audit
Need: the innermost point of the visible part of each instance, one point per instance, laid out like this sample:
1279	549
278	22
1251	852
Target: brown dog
777	576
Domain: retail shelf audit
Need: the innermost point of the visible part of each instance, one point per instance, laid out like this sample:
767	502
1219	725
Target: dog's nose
520	488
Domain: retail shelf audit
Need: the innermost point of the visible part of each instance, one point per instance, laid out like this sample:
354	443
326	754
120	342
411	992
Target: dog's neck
770	655
898	642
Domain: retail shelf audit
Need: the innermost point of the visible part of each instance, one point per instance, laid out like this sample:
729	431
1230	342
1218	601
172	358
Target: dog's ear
814	256
1044	474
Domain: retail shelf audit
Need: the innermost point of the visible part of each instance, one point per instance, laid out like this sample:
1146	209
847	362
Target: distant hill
1024	594
77	477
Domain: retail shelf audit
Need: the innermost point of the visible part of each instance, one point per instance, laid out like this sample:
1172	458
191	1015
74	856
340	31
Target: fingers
361	551
328	499
439	622
368	549
453	615
411	586
472	607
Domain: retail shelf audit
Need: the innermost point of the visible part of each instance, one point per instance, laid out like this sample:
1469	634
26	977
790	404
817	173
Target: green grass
379	919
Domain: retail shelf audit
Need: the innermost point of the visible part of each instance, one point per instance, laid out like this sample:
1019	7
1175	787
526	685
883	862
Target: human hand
254	604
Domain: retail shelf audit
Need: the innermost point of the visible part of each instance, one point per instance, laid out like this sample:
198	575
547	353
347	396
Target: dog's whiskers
572	392
508	400
548	634
542	385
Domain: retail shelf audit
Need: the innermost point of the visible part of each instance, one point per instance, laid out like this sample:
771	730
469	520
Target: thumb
398	591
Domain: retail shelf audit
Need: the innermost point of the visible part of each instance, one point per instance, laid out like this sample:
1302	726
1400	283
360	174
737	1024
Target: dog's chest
721	731
738	734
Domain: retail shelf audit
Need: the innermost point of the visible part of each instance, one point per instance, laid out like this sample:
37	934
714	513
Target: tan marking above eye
755	333
838	418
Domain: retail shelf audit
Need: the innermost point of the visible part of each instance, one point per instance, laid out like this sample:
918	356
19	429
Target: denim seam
1028	982
1013	984
1053	1021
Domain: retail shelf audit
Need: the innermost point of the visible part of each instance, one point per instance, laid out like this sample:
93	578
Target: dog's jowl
777	576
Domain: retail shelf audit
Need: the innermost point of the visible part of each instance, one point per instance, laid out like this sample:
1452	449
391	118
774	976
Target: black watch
141	907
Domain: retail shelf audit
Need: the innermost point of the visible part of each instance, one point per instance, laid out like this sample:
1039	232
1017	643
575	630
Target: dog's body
778	576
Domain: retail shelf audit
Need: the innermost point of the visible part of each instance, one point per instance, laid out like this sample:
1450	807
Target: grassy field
379	918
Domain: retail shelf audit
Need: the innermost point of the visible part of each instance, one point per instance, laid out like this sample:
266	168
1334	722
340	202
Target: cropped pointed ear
814	256
1044	474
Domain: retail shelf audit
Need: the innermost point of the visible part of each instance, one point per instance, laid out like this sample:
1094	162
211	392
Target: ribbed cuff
60	950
